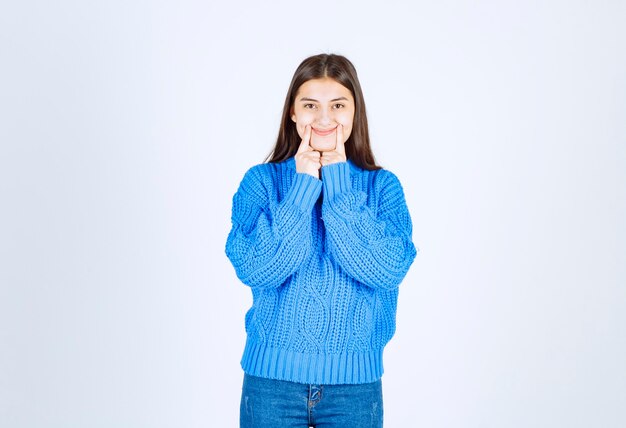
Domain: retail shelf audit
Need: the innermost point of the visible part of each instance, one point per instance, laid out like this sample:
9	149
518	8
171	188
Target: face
324	104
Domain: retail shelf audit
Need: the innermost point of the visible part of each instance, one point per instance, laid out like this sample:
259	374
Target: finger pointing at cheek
307	159
337	155
306	138
340	146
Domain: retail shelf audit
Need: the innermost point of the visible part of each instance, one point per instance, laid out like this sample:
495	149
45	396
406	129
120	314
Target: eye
309	105
338	106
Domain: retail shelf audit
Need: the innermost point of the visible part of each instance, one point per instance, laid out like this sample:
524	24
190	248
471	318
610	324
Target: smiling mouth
324	133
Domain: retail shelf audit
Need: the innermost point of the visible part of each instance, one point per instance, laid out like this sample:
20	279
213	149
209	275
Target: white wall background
125	128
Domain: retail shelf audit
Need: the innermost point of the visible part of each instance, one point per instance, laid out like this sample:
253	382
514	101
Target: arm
269	239
373	245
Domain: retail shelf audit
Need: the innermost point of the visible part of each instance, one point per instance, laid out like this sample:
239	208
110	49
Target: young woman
322	236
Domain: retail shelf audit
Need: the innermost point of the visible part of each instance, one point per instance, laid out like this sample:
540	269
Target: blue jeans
269	403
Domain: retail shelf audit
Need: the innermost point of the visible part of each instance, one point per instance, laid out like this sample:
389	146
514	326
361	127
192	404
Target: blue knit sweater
323	259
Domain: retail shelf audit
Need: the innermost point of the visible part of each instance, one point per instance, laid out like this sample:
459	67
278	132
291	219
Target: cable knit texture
323	259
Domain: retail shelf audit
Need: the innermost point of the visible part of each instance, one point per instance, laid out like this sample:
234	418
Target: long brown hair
340	69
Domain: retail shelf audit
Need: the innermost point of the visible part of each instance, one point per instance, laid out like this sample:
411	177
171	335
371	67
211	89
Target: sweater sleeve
269	239
372	244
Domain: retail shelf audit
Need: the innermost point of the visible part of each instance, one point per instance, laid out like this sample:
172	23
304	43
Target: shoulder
377	179
260	180
391	180
267	170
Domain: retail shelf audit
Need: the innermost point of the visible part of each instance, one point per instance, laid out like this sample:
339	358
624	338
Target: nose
325	117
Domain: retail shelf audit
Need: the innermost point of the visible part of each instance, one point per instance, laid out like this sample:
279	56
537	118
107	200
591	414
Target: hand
337	155
307	159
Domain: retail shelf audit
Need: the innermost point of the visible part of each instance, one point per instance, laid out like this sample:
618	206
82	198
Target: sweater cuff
335	179
304	191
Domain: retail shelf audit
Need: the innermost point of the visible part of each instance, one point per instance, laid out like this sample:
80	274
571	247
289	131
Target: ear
293	115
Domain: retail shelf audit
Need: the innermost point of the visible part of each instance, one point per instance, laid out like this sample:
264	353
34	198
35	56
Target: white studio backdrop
125	128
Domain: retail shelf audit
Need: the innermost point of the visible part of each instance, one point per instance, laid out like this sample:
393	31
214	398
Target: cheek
302	120
345	118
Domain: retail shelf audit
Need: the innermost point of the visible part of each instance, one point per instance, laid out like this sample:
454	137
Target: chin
323	145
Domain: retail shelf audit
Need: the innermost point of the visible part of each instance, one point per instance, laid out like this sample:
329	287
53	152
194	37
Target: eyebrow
316	101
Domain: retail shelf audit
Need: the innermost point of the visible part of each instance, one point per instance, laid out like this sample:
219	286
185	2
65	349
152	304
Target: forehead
323	89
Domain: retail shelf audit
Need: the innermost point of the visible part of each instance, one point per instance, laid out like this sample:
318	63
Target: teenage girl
322	236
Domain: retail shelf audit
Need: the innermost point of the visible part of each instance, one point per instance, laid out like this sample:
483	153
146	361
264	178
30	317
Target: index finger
306	138
340	147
